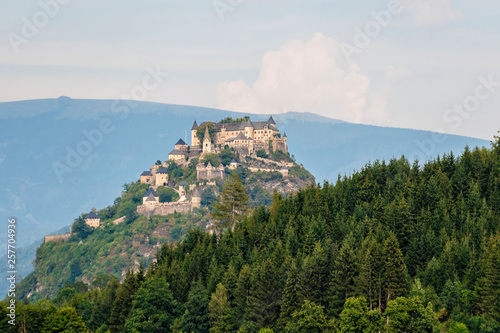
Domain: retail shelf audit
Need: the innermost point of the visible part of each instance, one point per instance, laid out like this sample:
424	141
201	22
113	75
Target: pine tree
265	296
232	203
221	318
342	282
369	282
230	280
291	300
123	302
195	319
315	276
242	293
488	288
395	269
153	308
104	304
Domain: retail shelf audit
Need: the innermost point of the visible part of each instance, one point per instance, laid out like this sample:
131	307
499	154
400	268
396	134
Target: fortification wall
166	208
54	238
268	161
284	172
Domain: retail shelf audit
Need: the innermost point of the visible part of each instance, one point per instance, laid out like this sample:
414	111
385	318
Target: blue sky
423	69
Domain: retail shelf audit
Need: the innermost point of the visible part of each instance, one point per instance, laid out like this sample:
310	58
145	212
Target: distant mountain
61	157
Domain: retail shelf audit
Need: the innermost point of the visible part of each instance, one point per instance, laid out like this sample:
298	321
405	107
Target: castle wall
268	161
284	172
54	238
280	144
209	173
166	208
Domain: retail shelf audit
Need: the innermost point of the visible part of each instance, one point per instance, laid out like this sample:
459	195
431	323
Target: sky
422	64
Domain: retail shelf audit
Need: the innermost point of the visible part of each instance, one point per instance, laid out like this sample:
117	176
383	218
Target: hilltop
167	201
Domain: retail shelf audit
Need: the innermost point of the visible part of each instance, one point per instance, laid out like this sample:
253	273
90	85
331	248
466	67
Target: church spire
195	125
207	134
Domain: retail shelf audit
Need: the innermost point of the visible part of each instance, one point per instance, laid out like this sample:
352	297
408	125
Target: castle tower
249	129
194	138
207	143
284	140
271	122
161	177
195	200
233	165
93	220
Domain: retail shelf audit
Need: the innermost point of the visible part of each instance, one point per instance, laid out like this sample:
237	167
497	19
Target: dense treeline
394	248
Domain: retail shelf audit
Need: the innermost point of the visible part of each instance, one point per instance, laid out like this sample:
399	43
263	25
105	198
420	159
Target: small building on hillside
196	199
161	177
180	152
93	220
233	165
150	197
146	177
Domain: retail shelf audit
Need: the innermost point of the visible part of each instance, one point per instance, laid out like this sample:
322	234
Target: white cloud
309	76
431	12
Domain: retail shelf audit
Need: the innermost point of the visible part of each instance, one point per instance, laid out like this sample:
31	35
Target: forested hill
395	247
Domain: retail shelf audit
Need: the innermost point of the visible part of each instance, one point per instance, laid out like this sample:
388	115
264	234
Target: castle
243	136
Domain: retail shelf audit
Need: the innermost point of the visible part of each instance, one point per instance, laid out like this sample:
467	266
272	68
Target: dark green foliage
62	321
153	308
208	196
195	319
229	120
232	203
80	228
395	269
261	153
488	288
227	155
212	159
200	131
344	272
123	302
167	194
265	295
332	257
